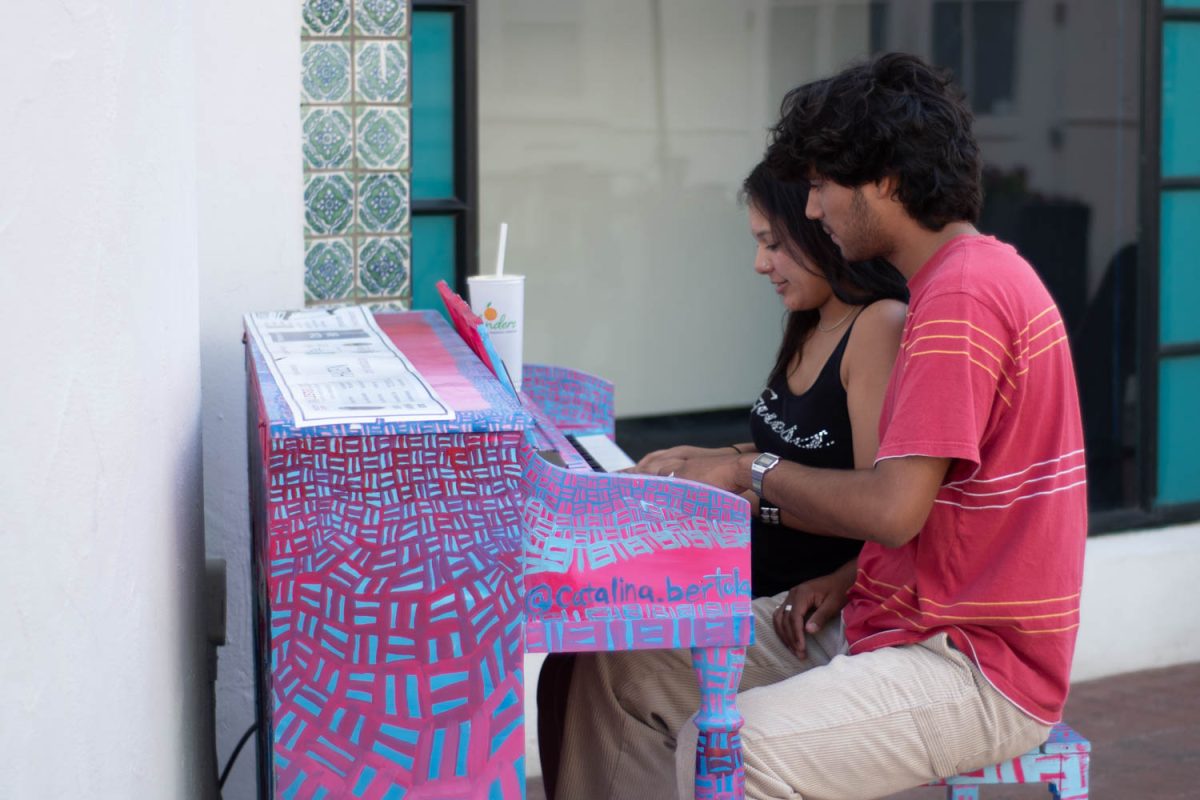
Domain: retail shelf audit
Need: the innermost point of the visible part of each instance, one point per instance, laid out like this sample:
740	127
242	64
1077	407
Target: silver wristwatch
761	466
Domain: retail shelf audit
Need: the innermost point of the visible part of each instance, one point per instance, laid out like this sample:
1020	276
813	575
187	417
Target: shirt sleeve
956	371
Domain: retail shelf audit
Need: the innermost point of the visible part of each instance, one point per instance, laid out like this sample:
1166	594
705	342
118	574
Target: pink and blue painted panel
576	401
622	562
392	582
388	565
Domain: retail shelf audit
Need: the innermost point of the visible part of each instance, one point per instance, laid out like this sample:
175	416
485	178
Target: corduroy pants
831	727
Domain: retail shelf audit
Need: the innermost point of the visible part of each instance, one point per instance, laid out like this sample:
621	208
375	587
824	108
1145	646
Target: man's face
847	216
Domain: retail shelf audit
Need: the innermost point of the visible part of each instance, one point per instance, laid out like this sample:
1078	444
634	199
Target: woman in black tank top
811	428
820	407
804	413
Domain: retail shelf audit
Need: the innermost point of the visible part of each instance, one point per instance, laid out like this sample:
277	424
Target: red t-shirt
985	378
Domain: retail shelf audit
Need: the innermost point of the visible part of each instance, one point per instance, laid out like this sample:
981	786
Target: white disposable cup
499	300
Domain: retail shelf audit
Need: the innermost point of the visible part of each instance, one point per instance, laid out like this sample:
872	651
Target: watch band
768	513
761	466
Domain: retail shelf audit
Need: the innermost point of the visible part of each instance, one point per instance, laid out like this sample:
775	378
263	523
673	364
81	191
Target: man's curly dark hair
893	115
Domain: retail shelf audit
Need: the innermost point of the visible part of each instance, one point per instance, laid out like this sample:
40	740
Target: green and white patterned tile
381	17
383	203
326	17
383	265
391	306
381	71
328	204
328	138
383	138
348	302
326	72
328	269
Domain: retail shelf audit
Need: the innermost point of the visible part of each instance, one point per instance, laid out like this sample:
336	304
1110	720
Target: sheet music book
335	366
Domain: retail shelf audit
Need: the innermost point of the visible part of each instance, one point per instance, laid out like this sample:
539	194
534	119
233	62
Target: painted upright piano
404	568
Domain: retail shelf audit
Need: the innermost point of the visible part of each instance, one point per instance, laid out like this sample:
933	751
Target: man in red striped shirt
955	643
976	511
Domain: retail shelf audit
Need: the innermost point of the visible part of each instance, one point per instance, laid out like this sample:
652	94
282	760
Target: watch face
759	468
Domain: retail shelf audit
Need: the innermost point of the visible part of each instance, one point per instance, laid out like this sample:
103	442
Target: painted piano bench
1062	763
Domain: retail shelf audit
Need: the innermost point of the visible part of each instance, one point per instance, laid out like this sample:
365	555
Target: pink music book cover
473	331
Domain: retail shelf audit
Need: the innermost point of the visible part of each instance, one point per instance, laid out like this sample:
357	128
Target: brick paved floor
1145	733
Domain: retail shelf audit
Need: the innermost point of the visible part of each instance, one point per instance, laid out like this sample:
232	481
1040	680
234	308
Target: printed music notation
335	366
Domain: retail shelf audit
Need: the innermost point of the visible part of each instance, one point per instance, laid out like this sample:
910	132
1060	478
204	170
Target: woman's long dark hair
856	283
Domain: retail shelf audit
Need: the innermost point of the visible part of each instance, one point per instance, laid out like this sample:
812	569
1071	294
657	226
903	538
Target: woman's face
799	283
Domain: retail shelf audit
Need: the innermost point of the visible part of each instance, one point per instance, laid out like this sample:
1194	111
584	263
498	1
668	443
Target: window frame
463	207
1150	513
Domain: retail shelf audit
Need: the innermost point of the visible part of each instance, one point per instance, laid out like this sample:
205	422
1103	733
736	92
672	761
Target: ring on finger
788	607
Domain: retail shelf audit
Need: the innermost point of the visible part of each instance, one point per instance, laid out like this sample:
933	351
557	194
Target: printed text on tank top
787	432
766	403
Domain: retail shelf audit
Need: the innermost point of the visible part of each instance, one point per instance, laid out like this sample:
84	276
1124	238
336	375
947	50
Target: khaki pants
831	727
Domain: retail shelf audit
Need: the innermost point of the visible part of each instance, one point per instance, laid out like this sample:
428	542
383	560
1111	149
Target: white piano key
605	452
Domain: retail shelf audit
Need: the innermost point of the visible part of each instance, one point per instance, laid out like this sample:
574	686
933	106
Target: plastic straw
503	245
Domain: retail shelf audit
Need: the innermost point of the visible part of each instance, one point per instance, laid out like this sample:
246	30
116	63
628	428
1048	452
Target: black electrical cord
233	756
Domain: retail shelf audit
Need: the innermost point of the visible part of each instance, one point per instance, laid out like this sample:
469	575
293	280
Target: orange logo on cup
497	322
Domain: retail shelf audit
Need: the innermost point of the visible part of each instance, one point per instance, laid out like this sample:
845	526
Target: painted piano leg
719	772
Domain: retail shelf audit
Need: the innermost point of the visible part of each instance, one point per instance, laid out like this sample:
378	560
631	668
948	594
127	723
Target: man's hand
810	605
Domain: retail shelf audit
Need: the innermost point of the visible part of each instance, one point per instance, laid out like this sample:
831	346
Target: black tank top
813	429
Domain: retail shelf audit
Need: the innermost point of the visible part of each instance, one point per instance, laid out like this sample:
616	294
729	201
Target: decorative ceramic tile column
355	106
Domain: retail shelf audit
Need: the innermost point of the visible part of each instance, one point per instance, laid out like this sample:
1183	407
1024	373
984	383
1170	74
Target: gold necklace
837	324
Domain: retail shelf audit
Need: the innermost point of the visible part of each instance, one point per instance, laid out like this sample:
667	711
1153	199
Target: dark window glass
994	36
948	36
977	41
1061	153
879	25
443	148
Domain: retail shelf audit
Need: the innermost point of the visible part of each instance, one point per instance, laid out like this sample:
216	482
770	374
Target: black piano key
593	463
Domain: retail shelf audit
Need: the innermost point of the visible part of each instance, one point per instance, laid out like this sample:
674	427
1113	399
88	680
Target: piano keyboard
600	452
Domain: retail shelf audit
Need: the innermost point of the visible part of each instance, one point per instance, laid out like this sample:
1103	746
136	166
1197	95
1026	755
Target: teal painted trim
432	105
1179	279
433	258
1181	99
1181	4
1178	430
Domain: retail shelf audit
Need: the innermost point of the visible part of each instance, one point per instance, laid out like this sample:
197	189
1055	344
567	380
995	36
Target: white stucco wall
1138	608
251	255
101	659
